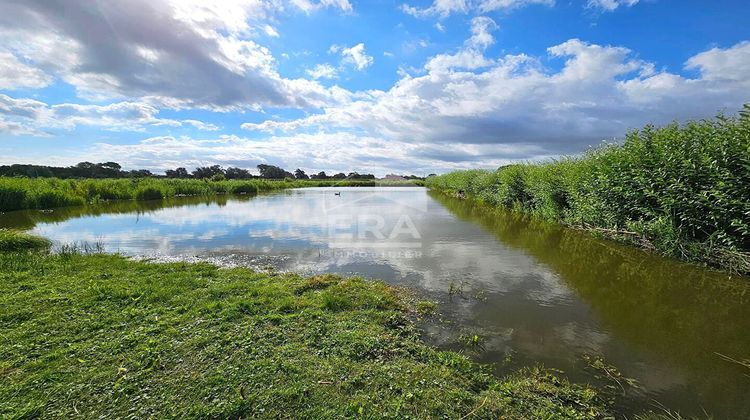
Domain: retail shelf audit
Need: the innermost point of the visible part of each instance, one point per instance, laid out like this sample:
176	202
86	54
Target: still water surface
535	292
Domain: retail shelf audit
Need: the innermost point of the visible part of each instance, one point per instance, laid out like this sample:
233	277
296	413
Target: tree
319	175
83	170
339	175
207	171
177	173
237	173
273	172
141	173
107	170
300	174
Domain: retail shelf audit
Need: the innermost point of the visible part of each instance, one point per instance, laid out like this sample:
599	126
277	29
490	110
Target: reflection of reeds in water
744	362
675	312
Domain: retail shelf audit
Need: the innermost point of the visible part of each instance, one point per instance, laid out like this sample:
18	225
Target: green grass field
102	336
681	190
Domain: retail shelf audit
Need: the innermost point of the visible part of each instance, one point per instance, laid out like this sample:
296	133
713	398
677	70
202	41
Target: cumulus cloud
270	31
322	71
309	6
356	56
15	74
19	115
180	53
525	110
481	32
444	8
610	5
717	64
18	129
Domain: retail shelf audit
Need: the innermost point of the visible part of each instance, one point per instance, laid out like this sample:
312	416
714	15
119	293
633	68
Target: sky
409	87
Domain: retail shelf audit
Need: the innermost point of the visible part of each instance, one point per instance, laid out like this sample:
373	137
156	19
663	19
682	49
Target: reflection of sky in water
519	303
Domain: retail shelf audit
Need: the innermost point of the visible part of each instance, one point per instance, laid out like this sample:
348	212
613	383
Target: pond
533	293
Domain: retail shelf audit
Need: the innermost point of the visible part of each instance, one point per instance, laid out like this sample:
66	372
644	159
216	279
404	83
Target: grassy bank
682	190
44	193
102	336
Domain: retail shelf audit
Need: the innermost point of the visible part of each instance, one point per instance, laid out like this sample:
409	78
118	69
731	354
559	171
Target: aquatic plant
15	241
18	193
682	190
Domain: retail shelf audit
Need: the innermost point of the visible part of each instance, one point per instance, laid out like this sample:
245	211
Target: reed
682	190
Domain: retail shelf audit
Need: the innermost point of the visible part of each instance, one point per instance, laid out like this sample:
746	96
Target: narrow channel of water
534	292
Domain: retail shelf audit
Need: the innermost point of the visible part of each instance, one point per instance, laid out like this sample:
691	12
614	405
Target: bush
683	190
244	188
149	193
11	197
54	198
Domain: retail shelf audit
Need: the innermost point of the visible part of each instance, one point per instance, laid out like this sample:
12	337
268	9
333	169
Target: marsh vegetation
681	190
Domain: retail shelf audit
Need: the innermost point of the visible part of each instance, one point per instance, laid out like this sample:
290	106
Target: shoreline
99	333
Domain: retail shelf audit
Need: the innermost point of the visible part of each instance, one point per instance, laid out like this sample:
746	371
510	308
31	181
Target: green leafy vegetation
102	336
15	241
44	193
682	190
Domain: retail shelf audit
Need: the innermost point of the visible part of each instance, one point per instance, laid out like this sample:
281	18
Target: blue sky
339	85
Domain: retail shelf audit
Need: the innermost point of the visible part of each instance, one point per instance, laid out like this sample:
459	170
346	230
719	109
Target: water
535	293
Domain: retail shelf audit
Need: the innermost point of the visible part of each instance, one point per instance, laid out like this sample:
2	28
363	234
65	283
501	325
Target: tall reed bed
45	193
683	190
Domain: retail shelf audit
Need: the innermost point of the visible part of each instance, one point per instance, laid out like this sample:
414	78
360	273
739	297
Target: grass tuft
15	241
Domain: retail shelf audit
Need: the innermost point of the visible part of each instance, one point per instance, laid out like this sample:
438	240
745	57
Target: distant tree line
114	170
81	170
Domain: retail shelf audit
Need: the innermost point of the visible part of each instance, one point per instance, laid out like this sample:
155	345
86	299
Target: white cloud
444	8
481	32
19	115
717	64
200	125
308	6
466	106
15	74
355	56
18	129
610	5
185	53
322	71
270	31
439	26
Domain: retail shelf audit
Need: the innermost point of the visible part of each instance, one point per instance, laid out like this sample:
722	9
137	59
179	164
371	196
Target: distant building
393	177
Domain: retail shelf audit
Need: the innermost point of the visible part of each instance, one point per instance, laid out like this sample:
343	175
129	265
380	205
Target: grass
681	190
15	241
18	193
102	336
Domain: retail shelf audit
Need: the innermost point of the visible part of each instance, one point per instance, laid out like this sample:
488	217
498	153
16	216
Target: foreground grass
103	336
45	193
682	190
